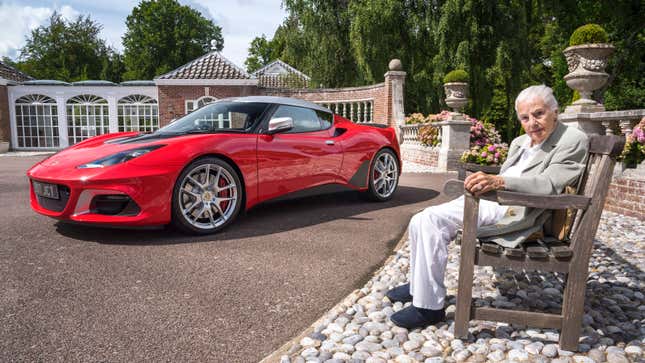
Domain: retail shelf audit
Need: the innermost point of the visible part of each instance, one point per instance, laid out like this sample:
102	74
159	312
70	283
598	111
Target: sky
241	20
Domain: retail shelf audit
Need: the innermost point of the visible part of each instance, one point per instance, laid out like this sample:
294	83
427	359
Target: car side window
304	119
326	119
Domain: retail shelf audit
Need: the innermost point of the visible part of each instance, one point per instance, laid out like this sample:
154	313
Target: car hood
105	145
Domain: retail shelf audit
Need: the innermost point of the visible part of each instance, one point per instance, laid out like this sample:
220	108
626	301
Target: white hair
542	91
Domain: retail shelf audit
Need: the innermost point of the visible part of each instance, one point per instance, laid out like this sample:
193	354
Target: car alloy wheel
384	175
208	196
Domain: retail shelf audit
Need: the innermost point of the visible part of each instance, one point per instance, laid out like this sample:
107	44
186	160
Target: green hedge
458	75
588	34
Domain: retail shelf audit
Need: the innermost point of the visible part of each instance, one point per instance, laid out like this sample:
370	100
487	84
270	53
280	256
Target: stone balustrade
360	110
606	122
455	139
410	133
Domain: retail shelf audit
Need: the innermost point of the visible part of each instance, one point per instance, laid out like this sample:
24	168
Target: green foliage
588	33
634	151
458	75
162	35
67	51
260	54
429	136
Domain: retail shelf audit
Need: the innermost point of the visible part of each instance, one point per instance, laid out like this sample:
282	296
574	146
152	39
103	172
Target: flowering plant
491	154
634	151
415	118
429	136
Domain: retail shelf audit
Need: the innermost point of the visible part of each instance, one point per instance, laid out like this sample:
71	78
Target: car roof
278	100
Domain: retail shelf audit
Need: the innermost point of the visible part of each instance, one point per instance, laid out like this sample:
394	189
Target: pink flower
484	154
491	148
496	155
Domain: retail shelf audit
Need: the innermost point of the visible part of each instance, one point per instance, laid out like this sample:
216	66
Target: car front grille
55	205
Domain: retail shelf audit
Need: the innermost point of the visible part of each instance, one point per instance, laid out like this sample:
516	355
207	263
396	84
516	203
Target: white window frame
46	123
141	112
95	120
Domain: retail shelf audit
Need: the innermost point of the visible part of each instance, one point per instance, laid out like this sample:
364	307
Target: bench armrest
455	188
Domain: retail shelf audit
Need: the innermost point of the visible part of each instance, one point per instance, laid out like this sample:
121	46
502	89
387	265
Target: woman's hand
479	183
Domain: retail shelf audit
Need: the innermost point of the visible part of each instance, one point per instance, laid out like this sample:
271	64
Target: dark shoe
400	293
413	317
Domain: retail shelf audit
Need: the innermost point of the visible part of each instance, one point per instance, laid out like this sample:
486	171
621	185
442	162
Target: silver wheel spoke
195	182
210	217
207	174
189	192
219	209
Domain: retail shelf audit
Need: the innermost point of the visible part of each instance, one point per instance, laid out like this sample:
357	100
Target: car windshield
218	116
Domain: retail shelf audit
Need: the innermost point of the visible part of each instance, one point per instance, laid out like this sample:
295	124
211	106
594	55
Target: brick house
51	114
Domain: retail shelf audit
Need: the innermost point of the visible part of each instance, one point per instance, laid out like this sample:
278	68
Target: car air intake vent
55	205
114	205
339	131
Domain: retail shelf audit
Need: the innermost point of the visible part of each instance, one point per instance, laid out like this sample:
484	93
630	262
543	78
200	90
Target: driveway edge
346	303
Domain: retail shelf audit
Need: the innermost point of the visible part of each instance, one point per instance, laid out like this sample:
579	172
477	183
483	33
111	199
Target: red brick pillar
394	91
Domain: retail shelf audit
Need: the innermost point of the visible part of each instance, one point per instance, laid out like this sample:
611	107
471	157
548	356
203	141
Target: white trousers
429	233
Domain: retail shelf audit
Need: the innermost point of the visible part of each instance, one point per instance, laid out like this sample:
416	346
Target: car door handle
330	142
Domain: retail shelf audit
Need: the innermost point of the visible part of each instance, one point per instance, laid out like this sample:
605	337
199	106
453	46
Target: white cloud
17	22
68	13
243	20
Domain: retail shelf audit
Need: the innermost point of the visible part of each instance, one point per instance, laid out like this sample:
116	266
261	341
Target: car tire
383	176
207	196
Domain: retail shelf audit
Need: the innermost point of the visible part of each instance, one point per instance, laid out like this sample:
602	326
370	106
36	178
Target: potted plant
455	83
486	153
587	57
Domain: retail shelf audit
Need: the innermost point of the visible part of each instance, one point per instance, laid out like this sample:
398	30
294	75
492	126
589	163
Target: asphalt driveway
75	293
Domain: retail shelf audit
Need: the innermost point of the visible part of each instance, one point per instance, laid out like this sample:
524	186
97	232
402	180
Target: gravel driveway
74	293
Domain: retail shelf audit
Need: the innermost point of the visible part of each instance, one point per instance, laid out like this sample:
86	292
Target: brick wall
5	131
172	99
627	193
378	92
428	156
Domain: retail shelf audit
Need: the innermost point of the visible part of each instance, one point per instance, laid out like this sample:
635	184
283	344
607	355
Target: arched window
87	116
138	113
192	105
37	122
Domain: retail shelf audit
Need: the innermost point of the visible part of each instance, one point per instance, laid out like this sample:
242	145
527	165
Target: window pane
304	119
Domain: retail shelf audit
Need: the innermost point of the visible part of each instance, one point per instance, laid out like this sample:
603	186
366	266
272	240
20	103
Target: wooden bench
570	256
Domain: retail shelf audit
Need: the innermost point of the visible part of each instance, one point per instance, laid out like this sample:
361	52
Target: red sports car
201	170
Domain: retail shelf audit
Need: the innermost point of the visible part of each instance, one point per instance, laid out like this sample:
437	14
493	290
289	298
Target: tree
504	45
162	35
260	54
67	51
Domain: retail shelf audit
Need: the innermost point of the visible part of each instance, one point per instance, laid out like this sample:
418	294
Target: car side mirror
280	124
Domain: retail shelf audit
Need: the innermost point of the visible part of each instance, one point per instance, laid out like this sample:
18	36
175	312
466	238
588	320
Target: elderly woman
546	159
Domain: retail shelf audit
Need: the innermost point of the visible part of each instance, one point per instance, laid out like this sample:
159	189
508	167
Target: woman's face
538	121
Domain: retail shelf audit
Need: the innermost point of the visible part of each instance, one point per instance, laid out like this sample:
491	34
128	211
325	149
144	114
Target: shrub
634	151
415	118
491	154
588	34
429	136
458	75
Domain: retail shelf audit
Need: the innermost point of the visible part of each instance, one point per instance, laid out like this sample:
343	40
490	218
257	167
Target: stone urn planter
4	146
456	95
587	63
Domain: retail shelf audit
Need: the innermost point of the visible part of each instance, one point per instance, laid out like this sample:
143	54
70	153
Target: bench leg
466	267
572	310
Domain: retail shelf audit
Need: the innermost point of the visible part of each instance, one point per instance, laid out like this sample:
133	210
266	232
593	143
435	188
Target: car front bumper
126	195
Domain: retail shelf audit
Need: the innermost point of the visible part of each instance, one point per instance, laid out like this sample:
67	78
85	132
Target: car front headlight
120	157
